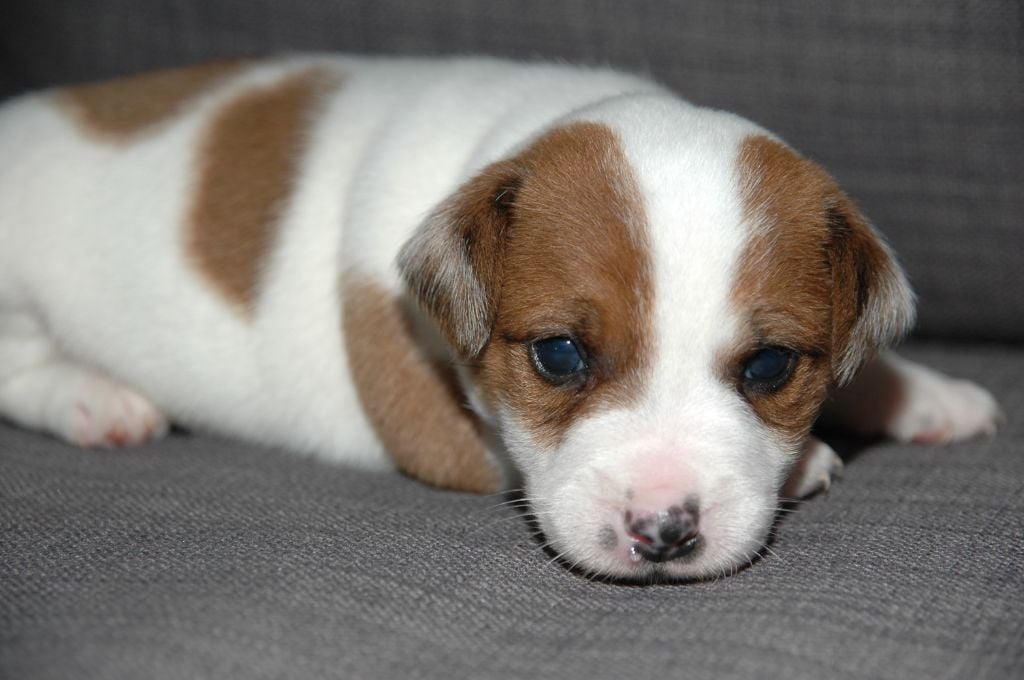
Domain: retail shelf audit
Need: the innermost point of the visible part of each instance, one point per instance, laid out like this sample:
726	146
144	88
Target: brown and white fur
356	258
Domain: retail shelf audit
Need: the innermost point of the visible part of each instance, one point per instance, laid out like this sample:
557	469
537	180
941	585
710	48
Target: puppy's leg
813	471
909	402
42	389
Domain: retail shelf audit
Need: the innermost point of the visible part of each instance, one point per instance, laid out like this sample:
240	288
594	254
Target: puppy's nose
666	535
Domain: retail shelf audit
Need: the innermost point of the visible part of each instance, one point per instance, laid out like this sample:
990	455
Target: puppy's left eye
557	360
768	369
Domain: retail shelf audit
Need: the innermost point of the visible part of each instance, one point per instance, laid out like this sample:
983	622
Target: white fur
97	293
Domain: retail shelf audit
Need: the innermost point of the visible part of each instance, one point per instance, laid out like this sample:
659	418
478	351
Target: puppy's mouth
684	549
636	565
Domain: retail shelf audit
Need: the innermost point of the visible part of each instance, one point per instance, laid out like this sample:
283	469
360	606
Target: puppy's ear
872	303
452	263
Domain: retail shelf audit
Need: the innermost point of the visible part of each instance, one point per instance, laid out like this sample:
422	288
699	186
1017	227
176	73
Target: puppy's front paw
937	409
103	413
814	471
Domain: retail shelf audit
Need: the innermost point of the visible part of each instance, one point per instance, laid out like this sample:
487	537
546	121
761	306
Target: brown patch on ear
452	264
550	243
247	164
414	404
880	309
814	277
122	108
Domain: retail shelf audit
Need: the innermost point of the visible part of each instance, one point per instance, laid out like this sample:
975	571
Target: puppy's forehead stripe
119	110
248	158
414	405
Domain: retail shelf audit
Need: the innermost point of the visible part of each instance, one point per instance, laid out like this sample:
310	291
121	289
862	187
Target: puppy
480	273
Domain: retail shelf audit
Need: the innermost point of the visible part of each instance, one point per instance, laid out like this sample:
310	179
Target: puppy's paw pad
943	410
814	472
105	414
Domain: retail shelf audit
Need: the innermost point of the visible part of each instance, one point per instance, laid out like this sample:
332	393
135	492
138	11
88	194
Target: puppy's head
650	316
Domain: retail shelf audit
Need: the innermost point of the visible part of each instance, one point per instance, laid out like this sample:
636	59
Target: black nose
666	535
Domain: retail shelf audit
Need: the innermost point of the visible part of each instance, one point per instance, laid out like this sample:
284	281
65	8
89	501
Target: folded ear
872	303
452	263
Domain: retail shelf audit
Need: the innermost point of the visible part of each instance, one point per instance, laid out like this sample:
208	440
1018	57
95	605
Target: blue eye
768	369
557	360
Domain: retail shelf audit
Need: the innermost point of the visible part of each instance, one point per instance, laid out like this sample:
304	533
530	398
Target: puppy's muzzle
666	535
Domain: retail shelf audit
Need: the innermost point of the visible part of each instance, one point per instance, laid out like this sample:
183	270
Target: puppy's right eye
558	360
768	369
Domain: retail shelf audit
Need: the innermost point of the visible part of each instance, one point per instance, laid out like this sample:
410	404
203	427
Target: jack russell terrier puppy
483	274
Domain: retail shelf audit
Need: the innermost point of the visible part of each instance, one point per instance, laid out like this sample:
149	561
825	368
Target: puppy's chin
649	508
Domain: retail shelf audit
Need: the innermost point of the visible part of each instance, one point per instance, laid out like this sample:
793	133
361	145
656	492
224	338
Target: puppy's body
218	247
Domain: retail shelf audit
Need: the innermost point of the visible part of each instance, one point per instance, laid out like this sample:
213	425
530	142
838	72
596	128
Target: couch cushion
201	558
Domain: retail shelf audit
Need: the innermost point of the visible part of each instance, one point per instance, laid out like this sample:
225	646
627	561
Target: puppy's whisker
557	558
518	503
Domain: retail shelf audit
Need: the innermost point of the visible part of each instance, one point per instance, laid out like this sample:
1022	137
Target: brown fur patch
413	403
553	243
813	278
247	164
120	109
576	261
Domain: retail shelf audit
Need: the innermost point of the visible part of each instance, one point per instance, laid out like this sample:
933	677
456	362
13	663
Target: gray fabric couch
198	557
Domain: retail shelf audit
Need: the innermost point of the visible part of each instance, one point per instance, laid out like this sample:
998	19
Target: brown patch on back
813	278
247	164
120	109
413	403
553	243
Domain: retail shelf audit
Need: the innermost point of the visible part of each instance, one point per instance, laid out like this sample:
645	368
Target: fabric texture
203	558
197	557
916	107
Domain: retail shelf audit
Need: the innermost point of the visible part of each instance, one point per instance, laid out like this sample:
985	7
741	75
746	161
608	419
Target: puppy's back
187	231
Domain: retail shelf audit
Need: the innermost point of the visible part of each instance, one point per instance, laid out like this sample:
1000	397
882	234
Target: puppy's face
651	319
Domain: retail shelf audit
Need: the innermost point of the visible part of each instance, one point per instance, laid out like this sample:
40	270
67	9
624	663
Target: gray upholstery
203	558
